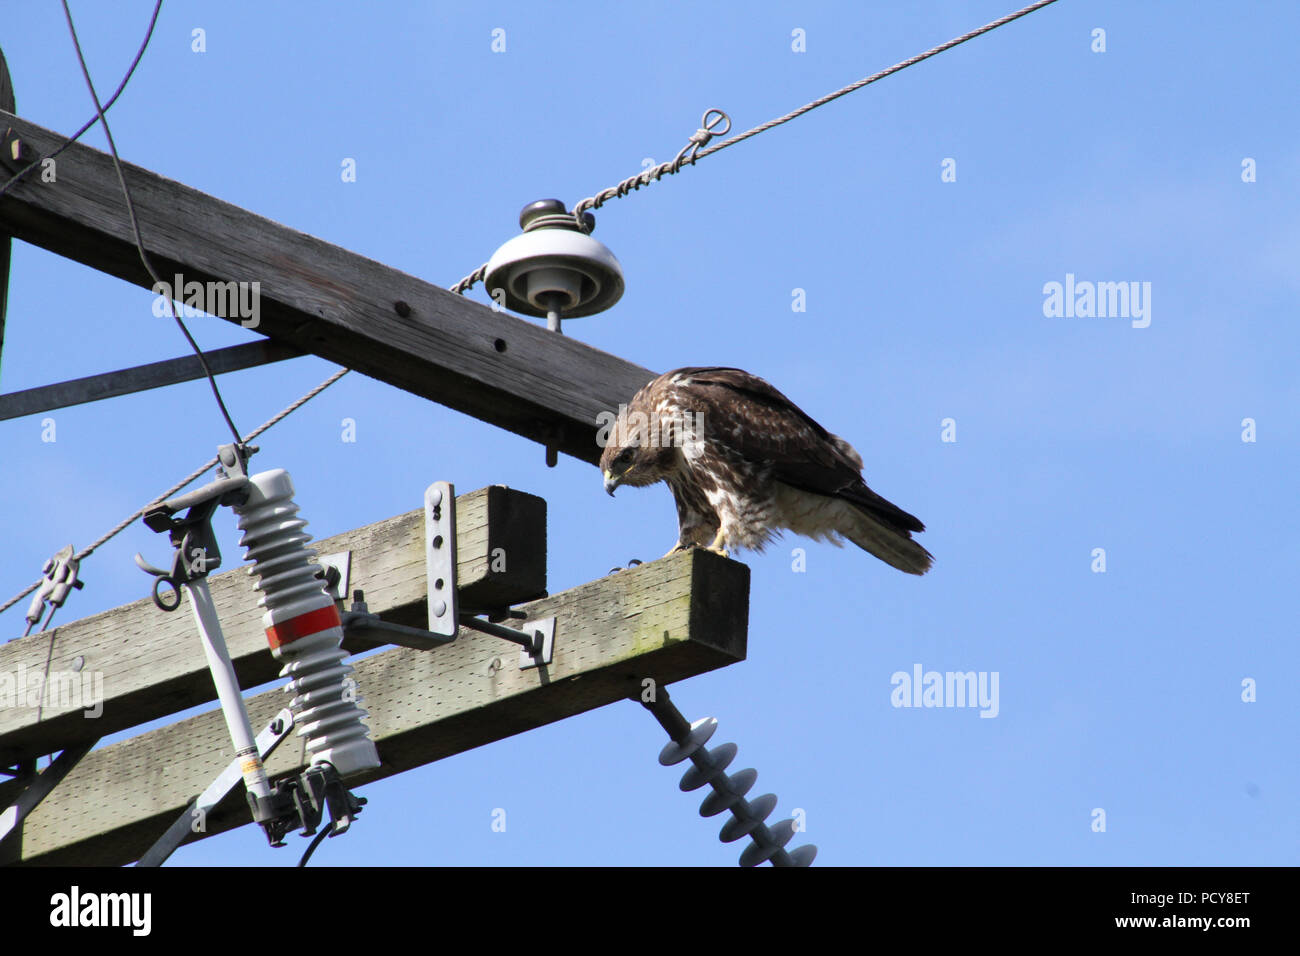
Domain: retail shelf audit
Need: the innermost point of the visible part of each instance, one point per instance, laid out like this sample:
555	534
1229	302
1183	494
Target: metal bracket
536	638
139	378
15	154
59	577
270	737
336	569
302	801
440	557
40	786
359	622
546	627
195	550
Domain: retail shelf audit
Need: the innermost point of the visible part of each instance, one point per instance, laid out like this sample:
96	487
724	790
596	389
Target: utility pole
645	626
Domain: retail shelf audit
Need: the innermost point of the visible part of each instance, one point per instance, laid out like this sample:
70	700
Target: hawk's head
638	452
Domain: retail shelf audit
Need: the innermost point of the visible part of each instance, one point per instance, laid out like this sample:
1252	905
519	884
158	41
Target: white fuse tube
223	677
303	626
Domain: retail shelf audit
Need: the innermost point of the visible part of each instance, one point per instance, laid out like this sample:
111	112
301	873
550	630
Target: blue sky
1119	690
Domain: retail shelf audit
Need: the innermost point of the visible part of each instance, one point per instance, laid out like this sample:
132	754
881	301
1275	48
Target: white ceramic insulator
325	700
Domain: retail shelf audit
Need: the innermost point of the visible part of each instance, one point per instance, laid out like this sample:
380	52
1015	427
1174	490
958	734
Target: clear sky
926	318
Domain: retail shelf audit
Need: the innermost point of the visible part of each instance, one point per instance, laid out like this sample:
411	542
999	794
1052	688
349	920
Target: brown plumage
744	462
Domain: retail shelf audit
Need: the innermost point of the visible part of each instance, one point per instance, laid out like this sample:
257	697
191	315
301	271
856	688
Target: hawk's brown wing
750	416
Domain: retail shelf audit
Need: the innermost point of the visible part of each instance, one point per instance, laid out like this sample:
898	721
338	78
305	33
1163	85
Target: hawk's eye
623	457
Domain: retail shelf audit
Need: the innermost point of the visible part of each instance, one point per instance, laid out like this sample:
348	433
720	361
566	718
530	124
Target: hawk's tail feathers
890	544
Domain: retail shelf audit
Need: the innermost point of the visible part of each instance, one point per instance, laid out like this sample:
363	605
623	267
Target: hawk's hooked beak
610	484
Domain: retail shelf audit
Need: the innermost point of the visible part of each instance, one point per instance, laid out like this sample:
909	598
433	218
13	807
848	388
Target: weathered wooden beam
142	663
677	617
7	106
326	300
93	388
26	794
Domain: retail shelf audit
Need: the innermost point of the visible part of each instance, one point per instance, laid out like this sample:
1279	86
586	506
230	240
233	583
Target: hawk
744	463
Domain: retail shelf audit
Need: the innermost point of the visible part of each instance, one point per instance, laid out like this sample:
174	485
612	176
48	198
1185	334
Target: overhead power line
696	147
94	119
135	226
193	476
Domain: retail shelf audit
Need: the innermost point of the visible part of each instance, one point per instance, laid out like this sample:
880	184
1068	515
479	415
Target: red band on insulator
313	622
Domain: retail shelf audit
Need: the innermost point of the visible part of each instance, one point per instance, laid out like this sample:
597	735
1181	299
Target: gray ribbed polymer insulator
728	793
303	627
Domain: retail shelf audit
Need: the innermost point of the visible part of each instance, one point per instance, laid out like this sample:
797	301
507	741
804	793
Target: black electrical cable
94	119
135	228
326	831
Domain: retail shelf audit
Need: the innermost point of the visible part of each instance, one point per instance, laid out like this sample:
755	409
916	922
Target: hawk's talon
674	549
696	546
718	545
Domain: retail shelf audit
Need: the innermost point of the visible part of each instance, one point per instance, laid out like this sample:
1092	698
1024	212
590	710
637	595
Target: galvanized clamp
536	638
